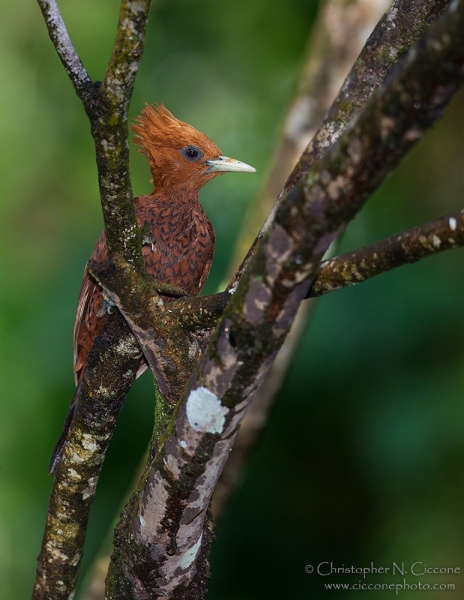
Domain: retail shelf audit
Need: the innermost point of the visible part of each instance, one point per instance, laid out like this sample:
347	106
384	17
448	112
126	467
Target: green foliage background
363	458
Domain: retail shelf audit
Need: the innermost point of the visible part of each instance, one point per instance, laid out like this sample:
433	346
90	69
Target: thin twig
66	51
127	53
395	251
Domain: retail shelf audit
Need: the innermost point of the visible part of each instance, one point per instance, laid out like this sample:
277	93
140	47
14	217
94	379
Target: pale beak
223	164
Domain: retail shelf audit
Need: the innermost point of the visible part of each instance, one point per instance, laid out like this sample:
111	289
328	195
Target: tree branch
122	69
395	251
105	382
109	129
399	29
161	541
72	63
107	106
401	26
101	401
334	43
110	133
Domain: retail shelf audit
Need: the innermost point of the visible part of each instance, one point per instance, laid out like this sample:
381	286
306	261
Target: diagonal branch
72	63
110	133
74	487
165	531
395	251
400	28
127	52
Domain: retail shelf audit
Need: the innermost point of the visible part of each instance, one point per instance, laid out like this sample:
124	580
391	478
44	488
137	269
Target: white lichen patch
88	442
193	349
424	241
74	474
190	555
392	16
92	486
172	463
75	458
55	553
125	346
205	412
436	241
75	559
452	224
152	507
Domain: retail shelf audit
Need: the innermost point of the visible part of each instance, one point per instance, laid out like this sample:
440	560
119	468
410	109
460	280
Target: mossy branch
102	396
106	381
110	133
188	459
107	107
161	539
401	27
395	251
59	36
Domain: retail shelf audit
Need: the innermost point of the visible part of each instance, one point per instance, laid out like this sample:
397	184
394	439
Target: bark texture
395	251
116	354
162	538
334	48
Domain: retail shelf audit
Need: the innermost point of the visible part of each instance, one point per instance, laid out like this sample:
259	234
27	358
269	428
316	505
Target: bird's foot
106	306
148	239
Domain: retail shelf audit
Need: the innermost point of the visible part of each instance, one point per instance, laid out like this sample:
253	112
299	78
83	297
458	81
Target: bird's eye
192	153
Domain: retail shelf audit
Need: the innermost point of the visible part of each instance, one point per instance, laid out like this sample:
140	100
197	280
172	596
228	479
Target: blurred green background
363	459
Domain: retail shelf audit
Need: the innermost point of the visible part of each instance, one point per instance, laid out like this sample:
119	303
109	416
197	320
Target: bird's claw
148	239
105	308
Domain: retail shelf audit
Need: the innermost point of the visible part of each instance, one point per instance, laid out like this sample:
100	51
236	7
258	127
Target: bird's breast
182	245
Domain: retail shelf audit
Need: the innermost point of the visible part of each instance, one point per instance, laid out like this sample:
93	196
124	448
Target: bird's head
180	157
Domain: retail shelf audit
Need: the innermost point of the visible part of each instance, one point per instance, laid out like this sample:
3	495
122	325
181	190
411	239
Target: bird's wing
209	254
87	289
87	325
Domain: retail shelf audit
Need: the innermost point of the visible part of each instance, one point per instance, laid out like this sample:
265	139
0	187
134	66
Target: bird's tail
58	450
